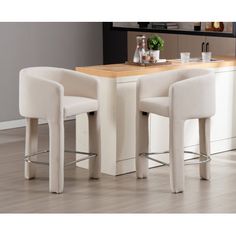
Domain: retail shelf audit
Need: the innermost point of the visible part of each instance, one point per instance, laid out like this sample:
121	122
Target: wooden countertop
121	70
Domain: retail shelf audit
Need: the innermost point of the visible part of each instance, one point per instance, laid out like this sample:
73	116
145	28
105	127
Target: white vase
155	54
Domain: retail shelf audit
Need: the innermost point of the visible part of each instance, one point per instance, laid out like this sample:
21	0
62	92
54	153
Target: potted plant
155	43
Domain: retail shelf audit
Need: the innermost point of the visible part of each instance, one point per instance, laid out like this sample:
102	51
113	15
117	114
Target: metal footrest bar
161	162
147	155
90	155
35	154
208	158
82	153
81	159
27	159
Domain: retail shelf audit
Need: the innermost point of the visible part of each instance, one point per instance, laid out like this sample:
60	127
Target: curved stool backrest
41	89
191	91
159	83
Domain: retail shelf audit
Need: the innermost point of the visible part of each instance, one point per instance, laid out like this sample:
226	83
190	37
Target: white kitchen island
117	98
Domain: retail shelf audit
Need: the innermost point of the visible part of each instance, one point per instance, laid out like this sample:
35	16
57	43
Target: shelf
177	31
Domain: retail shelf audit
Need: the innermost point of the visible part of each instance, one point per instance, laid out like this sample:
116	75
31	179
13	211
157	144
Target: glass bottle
140	49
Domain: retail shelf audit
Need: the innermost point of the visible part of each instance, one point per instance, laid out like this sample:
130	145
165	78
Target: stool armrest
193	97
40	98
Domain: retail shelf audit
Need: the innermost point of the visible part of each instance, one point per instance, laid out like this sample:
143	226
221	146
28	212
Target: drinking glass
185	57
206	56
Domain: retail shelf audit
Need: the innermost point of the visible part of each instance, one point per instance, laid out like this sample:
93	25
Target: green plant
155	43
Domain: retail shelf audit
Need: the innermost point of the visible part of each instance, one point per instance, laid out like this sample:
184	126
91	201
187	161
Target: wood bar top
121	70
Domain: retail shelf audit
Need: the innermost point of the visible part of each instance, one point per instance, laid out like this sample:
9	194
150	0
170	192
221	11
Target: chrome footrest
147	155
89	156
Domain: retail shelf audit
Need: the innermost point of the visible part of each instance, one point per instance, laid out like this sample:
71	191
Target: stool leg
141	145
56	156
204	136
31	146
177	155
94	145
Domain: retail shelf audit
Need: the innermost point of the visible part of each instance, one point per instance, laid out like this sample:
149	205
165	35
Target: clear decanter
140	49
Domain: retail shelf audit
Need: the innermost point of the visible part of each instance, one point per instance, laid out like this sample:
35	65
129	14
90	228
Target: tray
148	64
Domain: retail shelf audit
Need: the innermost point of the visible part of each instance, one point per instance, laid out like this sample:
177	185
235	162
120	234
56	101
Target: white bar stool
53	94
179	95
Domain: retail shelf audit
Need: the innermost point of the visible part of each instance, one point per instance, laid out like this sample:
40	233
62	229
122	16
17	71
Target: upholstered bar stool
179	95
54	94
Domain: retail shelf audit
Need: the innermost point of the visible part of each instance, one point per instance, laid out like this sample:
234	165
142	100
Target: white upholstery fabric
52	94
157	105
42	90
77	105
191	92
179	95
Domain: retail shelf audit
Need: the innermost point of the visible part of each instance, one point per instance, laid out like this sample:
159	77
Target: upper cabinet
218	29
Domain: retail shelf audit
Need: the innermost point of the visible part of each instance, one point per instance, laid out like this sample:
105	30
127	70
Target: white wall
43	44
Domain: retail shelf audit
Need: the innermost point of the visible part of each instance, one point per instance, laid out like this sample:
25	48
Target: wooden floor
122	194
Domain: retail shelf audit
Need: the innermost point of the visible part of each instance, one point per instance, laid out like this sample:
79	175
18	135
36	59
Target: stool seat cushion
156	105
78	105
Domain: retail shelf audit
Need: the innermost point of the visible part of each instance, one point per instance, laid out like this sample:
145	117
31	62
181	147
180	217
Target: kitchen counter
121	70
117	104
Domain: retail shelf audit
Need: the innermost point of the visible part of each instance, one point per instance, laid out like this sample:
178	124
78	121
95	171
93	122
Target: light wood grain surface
121	70
122	194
